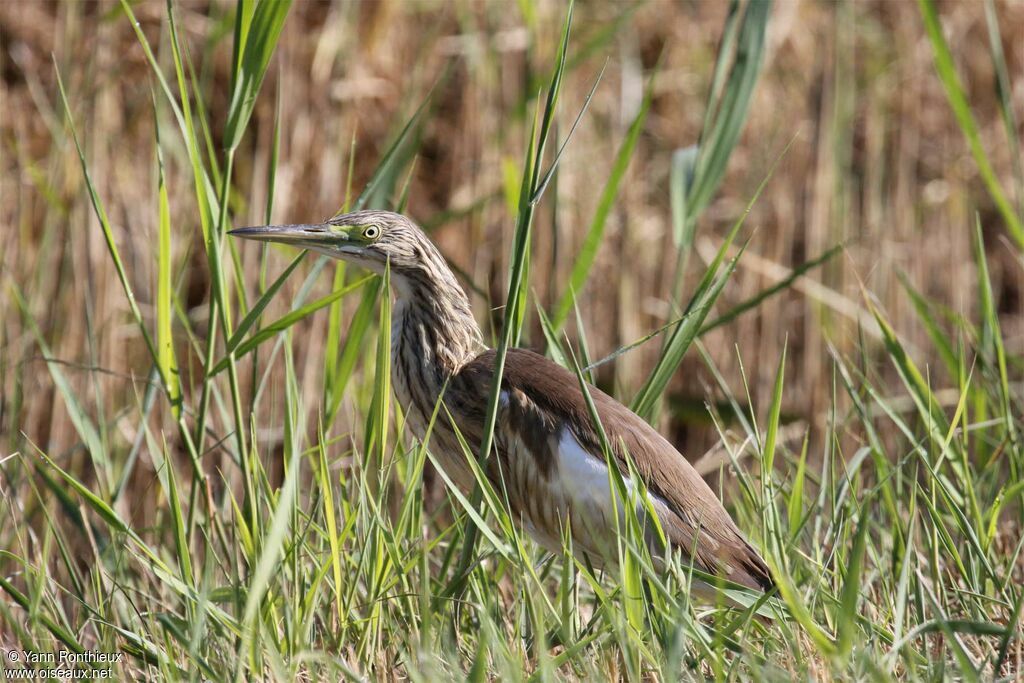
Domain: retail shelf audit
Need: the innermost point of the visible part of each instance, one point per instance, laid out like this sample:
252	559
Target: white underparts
581	490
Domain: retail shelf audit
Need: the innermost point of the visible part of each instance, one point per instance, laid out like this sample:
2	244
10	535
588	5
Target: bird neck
433	334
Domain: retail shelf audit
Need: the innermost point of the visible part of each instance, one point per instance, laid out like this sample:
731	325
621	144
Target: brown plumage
548	456
545	399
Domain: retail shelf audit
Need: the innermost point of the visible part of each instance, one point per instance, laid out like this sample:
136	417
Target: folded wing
551	466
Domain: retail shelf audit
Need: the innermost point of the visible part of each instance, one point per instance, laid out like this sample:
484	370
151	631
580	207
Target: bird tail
752	571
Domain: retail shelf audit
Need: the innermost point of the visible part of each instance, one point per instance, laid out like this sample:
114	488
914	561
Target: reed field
789	234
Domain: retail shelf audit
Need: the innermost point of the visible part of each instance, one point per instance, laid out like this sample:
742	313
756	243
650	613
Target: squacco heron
548	454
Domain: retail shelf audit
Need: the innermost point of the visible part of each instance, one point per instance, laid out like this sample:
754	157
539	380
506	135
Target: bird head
371	239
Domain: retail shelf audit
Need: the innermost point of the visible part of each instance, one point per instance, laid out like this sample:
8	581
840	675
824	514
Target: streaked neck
433	334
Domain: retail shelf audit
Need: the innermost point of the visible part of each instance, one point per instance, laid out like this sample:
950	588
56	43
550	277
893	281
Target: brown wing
543	397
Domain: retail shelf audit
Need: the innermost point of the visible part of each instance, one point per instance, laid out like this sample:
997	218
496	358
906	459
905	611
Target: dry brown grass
877	160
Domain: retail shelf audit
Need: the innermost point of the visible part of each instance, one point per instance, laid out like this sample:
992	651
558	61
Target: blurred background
868	149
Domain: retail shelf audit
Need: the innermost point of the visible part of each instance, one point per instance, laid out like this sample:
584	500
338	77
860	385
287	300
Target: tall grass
255	509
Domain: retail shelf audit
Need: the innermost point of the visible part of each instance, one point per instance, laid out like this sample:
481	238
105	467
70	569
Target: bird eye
371	232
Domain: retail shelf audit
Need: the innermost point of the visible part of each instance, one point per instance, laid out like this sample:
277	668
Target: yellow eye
371	232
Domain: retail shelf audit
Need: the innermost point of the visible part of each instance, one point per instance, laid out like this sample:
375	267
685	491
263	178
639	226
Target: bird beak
321	235
334	238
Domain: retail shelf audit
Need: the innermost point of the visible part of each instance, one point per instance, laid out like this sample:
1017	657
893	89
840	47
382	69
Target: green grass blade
391	162
332	343
108	232
946	70
375	446
768	292
80	420
938	336
728	114
257	310
166	362
543	184
647	400
244	11
684	166
928	407
168	483
258	40
992	337
333	537
274	543
595	233
358	326
772	429
515	304
59	632
284	322
851	589
771	526
1004	90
